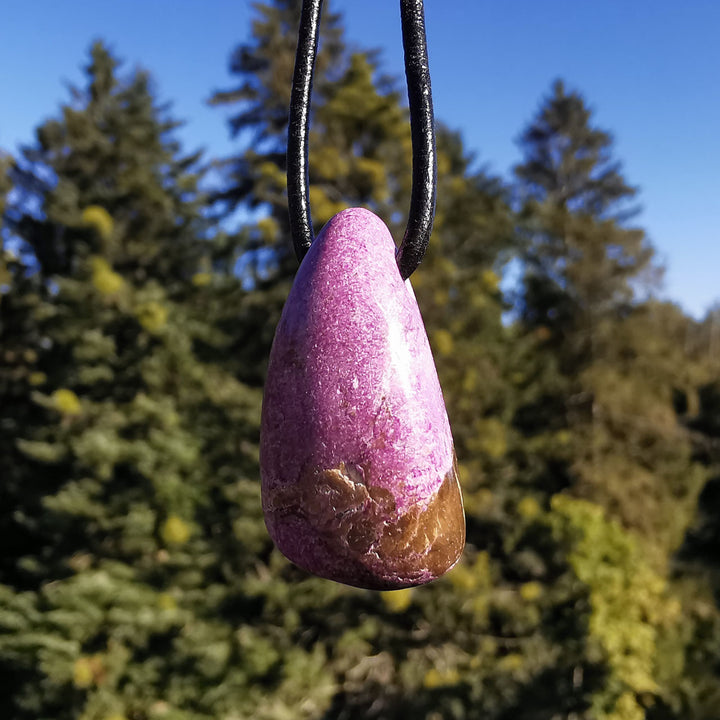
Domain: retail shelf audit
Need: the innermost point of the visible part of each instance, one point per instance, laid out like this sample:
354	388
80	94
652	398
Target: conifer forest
137	577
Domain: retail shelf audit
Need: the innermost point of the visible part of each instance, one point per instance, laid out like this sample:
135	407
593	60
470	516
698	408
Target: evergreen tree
597	407
138	179
134	479
582	264
568	162
264	67
608	384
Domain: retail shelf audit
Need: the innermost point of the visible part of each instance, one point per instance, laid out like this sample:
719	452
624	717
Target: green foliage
139	582
144	449
629	605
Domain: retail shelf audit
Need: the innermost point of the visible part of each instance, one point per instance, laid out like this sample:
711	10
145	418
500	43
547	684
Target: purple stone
359	480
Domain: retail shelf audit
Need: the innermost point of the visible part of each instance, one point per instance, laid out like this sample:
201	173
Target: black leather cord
422	126
298	180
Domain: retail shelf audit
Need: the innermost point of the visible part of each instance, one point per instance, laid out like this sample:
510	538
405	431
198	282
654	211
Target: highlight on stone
359	480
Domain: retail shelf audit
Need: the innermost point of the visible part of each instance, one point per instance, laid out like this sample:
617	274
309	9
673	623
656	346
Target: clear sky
650	69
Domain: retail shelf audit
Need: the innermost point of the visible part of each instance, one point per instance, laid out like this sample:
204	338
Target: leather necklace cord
422	127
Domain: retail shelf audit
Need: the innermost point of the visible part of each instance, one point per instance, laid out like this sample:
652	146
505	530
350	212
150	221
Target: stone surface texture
359	481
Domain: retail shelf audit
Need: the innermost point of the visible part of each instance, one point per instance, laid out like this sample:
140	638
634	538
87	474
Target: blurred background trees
137	580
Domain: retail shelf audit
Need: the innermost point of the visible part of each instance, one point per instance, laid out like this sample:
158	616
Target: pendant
359	480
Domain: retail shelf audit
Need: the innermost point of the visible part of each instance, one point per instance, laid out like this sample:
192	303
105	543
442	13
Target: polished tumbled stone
359	481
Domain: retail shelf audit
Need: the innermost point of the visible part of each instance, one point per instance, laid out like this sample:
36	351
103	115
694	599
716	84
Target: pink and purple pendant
359	481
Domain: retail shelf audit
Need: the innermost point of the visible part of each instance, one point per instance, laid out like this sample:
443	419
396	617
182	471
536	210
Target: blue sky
650	69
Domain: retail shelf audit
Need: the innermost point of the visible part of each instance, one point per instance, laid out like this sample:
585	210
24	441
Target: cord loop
422	127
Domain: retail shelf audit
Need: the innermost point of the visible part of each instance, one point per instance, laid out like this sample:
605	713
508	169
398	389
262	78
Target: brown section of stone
359	521
430	539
